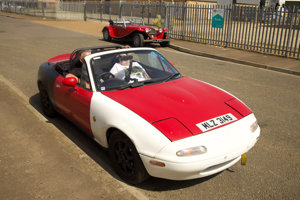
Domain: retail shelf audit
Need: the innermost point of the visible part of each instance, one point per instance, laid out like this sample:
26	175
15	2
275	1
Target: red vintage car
135	31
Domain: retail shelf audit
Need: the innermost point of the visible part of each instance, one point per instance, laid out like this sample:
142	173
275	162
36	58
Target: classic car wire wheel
138	40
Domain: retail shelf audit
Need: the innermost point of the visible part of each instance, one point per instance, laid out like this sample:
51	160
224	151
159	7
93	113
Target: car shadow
100	155
158	184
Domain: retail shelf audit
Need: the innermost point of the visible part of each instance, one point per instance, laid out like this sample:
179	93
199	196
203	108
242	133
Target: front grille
152	33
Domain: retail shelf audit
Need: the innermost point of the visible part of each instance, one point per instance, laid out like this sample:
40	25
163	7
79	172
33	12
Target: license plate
215	122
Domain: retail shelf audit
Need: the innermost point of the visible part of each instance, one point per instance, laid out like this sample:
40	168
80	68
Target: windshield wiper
171	77
132	85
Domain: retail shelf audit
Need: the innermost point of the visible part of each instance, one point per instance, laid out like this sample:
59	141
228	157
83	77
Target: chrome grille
152	33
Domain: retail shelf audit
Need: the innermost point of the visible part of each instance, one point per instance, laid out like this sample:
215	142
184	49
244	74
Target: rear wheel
125	159
106	35
138	40
47	106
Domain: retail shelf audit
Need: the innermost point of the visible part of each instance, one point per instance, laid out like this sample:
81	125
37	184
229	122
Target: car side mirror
70	81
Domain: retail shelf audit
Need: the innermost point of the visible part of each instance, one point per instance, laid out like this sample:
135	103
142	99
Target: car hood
135	26
179	104
141	27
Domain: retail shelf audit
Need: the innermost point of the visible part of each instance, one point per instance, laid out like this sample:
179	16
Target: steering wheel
105	75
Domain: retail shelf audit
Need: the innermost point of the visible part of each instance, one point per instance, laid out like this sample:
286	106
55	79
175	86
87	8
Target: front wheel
138	40
125	159
106	35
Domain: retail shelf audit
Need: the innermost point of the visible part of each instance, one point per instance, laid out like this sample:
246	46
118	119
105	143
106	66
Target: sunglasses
122	58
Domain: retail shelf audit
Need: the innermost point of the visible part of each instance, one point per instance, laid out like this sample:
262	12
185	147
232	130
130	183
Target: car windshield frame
129	21
147	67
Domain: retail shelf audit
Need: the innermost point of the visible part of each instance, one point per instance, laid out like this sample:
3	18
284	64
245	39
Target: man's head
124	59
84	54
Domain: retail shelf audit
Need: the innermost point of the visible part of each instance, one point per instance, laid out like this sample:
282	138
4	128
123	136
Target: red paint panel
172	129
187	100
60	58
239	107
74	102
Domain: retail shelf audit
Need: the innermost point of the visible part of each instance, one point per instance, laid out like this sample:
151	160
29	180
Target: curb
197	53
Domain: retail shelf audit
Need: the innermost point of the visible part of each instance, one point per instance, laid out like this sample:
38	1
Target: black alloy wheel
47	106
125	159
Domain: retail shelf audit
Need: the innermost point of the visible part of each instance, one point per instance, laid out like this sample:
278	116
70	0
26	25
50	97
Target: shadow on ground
100	155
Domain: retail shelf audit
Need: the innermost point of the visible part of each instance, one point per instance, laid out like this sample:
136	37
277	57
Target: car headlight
254	126
147	30
192	151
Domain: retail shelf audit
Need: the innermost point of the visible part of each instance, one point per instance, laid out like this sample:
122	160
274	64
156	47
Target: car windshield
128	21
131	69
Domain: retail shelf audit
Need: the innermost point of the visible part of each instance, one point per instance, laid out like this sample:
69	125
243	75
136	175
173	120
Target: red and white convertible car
153	120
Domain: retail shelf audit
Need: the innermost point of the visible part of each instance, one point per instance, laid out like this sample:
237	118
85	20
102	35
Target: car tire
125	159
106	35
47	106
138	40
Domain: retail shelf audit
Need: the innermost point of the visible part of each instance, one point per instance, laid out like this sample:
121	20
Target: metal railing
254	29
266	30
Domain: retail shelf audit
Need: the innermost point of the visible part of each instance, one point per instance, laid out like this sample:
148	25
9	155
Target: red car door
74	102
120	31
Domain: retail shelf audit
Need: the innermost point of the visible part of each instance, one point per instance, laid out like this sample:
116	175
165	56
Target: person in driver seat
121	69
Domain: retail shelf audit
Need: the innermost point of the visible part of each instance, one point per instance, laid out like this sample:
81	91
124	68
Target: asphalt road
52	159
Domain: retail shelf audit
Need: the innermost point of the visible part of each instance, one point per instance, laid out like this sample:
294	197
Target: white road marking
24	100
23	97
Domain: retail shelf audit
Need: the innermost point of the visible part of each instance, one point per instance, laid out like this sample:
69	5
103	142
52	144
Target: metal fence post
84	11
290	31
167	17
121	9
101	11
149	13
43	9
229	24
184	21
143	11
